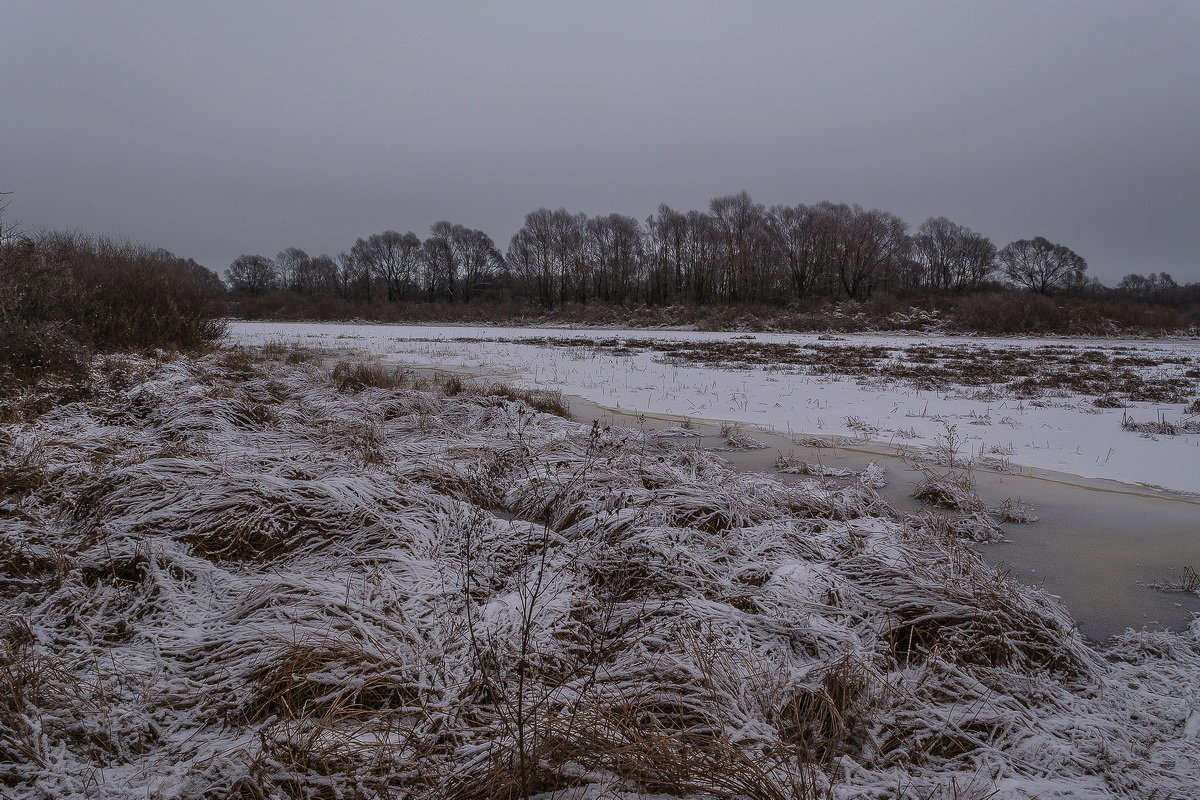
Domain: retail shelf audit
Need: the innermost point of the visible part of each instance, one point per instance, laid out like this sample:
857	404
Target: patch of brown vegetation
1028	372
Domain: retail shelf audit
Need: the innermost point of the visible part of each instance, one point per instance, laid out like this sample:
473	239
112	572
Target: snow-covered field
225	577
1050	422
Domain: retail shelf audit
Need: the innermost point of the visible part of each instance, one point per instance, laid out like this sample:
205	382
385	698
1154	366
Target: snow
1065	434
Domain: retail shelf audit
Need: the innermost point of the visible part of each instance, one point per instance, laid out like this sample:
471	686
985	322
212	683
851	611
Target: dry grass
1027	372
29	566
953	490
736	437
239	362
354	376
321	678
1160	426
644	758
1015	512
1189	582
791	464
823	721
23	465
291	352
984	622
546	401
29	681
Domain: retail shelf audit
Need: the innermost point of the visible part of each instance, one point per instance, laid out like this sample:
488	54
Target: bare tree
857	246
743	233
574	275
666	244
390	256
546	255
440	263
323	271
209	282
359	269
616	253
530	257
292	266
476	259
1155	287
952	257
1042	265
8	230
798	236
736	251
252	274
347	275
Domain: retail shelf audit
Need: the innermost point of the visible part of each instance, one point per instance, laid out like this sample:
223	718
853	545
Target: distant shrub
1008	312
994	310
1027	312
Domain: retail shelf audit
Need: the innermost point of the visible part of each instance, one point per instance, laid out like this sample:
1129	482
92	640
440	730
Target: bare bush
62	296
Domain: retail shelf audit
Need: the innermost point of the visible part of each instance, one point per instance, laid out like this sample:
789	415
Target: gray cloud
220	129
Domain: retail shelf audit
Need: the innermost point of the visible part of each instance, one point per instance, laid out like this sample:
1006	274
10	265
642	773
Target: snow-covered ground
1056	430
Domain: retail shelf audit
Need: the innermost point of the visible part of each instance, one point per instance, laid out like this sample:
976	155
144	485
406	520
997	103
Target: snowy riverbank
1051	425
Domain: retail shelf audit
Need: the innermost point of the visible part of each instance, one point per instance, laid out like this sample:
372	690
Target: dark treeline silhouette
453	264
1159	288
736	254
737	251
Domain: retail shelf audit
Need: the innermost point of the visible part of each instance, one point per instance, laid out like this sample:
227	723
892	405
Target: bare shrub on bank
64	295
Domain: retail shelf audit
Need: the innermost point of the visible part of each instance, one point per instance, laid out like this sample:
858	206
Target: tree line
65	296
736	251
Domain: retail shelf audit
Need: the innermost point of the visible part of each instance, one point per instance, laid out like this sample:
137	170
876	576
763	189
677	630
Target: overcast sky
216	129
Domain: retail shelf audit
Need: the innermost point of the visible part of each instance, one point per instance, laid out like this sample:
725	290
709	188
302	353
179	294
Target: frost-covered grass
232	577
1190	582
